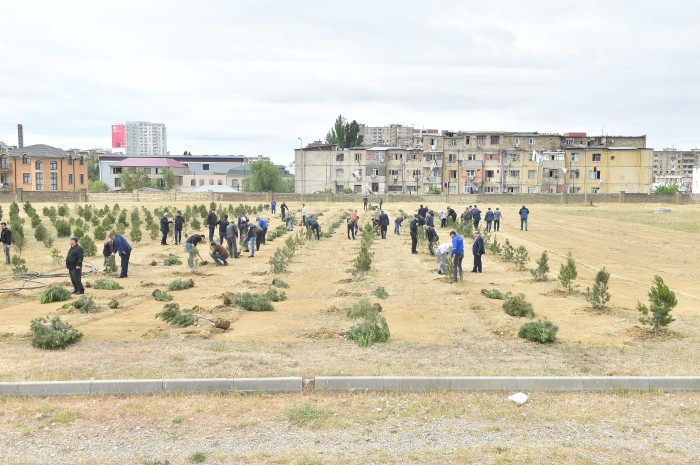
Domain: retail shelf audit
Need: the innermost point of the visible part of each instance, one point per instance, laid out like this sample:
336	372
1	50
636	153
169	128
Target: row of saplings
657	314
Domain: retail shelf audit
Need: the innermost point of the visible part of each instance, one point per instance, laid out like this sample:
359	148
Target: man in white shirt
443	251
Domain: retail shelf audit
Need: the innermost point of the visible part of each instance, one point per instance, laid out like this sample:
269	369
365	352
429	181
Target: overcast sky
251	77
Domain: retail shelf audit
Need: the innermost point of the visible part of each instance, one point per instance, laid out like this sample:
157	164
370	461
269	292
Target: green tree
670	189
344	134
168	179
568	273
133	179
540	273
93	169
264	177
98	186
599	295
662	300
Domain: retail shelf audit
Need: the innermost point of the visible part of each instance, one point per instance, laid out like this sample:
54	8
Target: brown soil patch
647	333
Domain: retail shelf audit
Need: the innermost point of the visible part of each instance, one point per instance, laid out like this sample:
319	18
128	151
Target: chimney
20	136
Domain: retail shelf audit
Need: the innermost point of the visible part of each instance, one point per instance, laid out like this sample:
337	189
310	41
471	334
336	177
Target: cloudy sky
251	77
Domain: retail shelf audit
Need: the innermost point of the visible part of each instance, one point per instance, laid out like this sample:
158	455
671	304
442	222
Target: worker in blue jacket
123	250
262	232
457	255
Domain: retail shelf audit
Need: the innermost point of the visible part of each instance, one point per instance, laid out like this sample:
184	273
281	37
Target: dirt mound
344	293
647	333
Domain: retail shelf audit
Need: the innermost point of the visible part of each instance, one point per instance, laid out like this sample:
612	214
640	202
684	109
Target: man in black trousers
414	233
212	222
164	227
74	264
383	223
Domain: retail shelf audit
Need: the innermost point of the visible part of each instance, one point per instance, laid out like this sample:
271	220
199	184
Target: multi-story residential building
475	162
394	135
154	167
42	168
675	167
144	139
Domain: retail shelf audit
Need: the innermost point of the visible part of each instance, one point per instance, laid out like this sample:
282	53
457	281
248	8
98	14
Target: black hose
31	280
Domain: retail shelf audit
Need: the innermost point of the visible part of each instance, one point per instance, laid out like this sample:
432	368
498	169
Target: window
416	174
357	188
375	171
471	157
81	161
532	190
70	178
595	190
495	140
340	157
53	165
490	189
532	174
53	179
514	173
453	174
201	182
480	140
220	182
451	142
575	157
467	140
517	141
411	157
39	181
532	141
573	190
25	160
594	174
157	171
489	174
193	183
147	170
205	166
393	172
70	161
574	174
160	182
451	157
26	178
514	157
82	179
117	182
116	170
358	157
596	157
211	182
38	165
433	142
339	173
471	174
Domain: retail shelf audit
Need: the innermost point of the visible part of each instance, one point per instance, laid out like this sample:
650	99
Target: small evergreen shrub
53	336
521	257
54	293
56	256
363	262
517	306
63	210
372	330
78	232
162	296
494	247
251	302
277	282
542	332
180	284
172	260
599	295
568	273
40	233
100	233
153	231
111	265
85	304
495	294
540	273
276	295
361	309
662	300
381	293
88	245
135	234
62	228
172	314
48	241
19	265
106	285
507	251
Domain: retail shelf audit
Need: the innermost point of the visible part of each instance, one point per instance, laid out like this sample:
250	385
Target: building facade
675	167
144	139
394	135
42	168
468	162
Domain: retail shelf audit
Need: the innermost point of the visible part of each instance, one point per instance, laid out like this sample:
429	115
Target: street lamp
301	146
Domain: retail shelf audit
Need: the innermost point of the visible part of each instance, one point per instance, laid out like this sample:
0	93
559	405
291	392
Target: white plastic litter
519	398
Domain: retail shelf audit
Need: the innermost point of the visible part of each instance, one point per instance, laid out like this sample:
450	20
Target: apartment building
472	162
144	139
42	167
675	167
394	135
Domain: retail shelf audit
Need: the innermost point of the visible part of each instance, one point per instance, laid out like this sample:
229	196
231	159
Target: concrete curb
353	384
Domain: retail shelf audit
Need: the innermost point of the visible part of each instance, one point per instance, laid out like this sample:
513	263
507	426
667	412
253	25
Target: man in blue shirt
262	232
457	255
523	217
123	250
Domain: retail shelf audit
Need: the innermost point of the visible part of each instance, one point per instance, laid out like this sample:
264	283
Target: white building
144	139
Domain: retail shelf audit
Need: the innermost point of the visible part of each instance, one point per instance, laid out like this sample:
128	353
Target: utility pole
301	146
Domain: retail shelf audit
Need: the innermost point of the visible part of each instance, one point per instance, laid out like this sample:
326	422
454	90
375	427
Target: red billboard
118	136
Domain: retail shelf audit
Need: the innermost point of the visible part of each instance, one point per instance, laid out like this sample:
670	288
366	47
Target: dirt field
436	329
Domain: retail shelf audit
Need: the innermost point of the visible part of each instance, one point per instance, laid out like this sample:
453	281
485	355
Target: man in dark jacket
6	240
422	211
397	224
262	232
488	217
232	239
476	216
478	250
452	214
432	237
352	223
315	228
212	221
283	209
123	250
223	224
251	235
219	253
383	223
178	223
413	228
74	264
164	227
